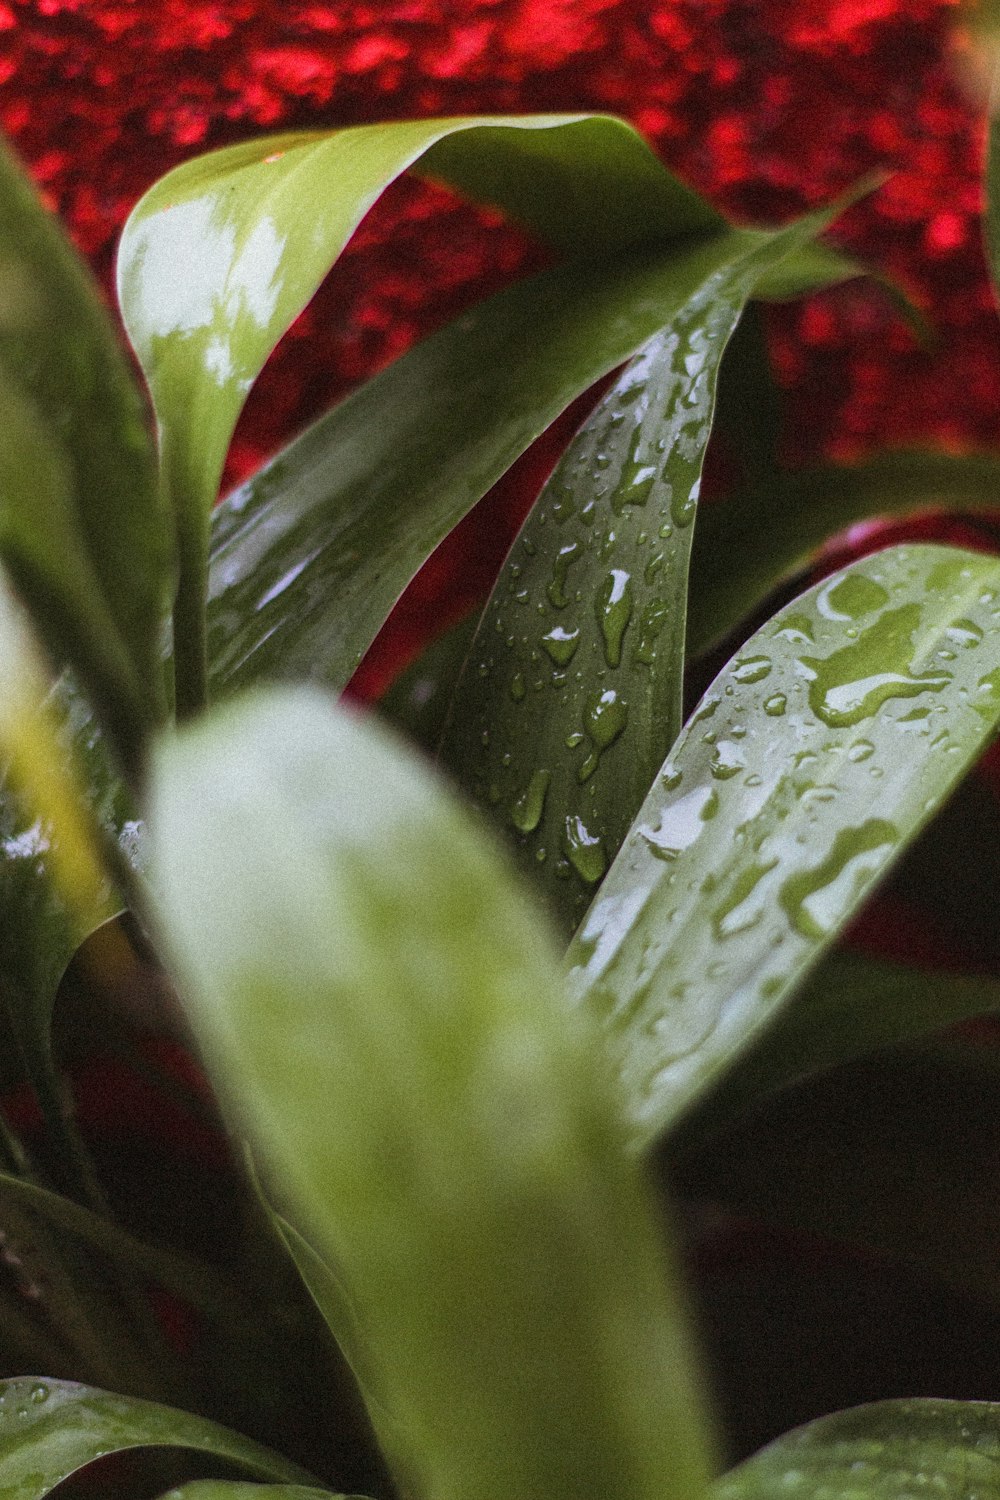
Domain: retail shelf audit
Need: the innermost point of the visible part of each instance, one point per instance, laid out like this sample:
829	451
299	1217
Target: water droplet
605	717
776	705
654	566
584	850
743	909
561	644
680	824
861	750
752	669
815	900
613	607
563	502
727	761
850	596
526	812
683	504
797	630
651	622
852	684
39	1393
964	633
637	478
564	560
705	709
670	777
574	739
517	687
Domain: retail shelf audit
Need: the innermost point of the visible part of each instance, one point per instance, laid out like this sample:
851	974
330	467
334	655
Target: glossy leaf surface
49	1429
571	694
384	1012
890	1450
745	547
81	523
816	755
235	219
310	556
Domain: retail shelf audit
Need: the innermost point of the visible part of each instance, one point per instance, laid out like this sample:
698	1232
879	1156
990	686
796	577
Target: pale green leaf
384	1014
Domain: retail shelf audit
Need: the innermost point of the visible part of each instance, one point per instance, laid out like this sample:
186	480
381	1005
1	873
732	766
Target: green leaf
850	1006
236	219
417	703
57	798
748	403
890	1450
310	556
234	1489
383	1011
812	268
747	545
571	694
816	755
82	527
50	1429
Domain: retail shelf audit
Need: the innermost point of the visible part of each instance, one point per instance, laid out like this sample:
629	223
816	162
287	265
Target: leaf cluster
461	1020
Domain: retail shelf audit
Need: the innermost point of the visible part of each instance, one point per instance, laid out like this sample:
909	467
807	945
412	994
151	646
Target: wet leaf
236	219
746	546
817	754
346	935
50	1429
310	556
82	528
890	1450
571	694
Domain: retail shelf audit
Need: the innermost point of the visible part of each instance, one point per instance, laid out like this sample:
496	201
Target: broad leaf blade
346	936
817	754
890	1450
236	218
752	542
54	1428
571	695
310	556
64	373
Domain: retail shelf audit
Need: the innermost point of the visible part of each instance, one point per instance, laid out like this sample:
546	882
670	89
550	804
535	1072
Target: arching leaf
813	759
309	557
382	1008
254	258
81	522
571	694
